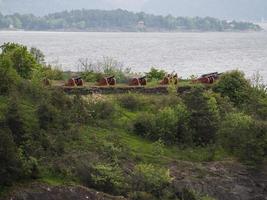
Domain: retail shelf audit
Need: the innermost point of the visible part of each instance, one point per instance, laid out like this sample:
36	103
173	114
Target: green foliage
103	109
158	148
244	137
235	86
52	73
143	124
131	102
91	76
76	136
21	59
204	119
151	179
141	196
155	74
8	75
11	166
169	124
104	177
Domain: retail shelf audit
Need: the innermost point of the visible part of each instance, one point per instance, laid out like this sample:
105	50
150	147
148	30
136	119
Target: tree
244	137
38	55
8	75
21	59
204	117
235	86
10	169
155	74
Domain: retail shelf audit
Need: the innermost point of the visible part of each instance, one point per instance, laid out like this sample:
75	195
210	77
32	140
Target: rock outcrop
221	180
37	191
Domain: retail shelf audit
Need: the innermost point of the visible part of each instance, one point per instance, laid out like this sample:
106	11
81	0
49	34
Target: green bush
103	109
11	166
8	75
143	124
155	74
131	101
169	124
52	73
141	196
166	121
244	137
234	85
21	59
91	76
103	177
151	179
204	115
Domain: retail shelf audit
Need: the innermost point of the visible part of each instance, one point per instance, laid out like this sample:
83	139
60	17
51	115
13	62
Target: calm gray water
186	53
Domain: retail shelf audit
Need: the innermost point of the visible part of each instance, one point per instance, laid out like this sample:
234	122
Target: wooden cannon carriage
46	82
78	81
138	81
208	78
107	81
170	79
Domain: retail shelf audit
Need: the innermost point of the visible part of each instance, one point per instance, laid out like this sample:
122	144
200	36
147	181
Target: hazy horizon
223	9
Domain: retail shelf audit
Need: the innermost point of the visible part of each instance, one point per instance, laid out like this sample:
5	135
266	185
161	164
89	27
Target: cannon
72	82
170	79
208	78
79	81
107	81
46	82
138	81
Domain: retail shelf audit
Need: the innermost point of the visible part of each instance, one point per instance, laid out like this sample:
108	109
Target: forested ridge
119	20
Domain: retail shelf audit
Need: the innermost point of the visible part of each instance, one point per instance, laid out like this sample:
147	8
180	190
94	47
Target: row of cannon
142	81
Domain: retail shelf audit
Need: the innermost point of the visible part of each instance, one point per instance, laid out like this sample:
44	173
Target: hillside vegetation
119	20
129	145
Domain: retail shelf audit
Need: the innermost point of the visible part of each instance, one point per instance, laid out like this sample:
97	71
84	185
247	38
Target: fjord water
185	53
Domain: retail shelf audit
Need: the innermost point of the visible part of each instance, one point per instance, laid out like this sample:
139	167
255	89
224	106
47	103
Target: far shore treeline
118	20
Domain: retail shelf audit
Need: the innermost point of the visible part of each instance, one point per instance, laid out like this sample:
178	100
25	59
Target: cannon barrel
110	77
210	74
144	77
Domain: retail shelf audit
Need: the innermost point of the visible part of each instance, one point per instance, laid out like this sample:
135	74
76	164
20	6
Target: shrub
234	85
91	76
204	118
46	115
52	73
244	137
155	74
8	75
104	110
141	196
16	123
151	179
144	124
11	166
166	121
158	148
131	101
169	124
103	177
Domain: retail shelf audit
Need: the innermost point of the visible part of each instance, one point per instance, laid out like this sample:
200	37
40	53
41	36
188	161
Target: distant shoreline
120	21
114	31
